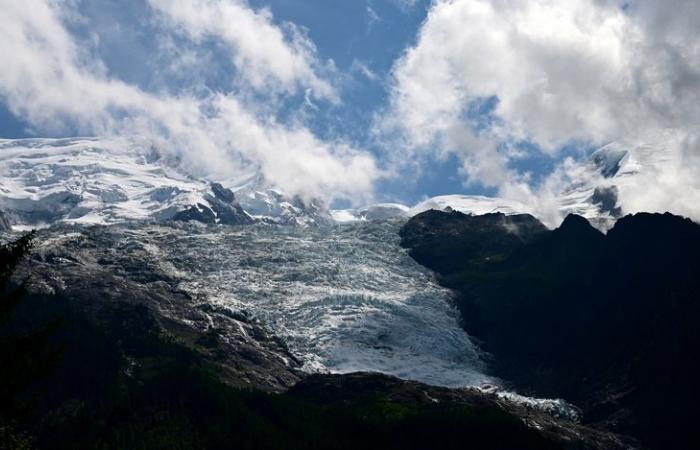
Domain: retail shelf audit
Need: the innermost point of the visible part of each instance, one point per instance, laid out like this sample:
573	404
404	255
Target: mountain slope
649	174
165	370
103	181
608	322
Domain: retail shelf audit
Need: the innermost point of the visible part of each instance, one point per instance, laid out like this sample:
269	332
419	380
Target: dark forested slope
108	369
608	322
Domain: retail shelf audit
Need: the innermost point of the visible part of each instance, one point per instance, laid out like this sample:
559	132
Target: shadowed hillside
608	322
116	374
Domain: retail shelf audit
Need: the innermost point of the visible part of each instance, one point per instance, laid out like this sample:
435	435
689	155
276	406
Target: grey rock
4	222
99	268
223	194
228	213
607	200
199	213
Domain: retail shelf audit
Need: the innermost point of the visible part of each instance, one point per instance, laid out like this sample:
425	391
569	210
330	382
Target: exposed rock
221	208
4	222
97	269
607	200
199	213
227	212
223	194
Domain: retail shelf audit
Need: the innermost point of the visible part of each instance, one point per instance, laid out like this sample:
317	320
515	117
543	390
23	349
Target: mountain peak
107	181
575	225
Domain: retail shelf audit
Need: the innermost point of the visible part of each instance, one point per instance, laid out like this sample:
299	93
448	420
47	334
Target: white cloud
362	68
52	82
405	5
266	56
563	71
372	18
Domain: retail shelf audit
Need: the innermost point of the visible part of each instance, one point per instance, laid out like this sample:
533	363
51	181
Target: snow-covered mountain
104	181
652	173
274	206
379	211
472	204
623	177
468	204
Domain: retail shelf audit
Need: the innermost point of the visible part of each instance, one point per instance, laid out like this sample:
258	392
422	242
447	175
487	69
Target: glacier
344	298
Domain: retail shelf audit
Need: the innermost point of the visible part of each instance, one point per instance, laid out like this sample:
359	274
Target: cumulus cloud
266	56
55	83
555	73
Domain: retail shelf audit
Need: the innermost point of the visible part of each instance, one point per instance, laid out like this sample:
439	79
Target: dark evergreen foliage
24	356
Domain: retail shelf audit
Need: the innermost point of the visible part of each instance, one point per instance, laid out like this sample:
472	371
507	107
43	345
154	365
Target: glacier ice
345	298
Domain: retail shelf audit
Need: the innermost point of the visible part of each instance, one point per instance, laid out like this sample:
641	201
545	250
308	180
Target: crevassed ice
344	298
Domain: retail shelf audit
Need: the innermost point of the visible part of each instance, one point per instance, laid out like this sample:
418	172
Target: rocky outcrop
441	240
222	194
221	207
227	210
197	213
101	272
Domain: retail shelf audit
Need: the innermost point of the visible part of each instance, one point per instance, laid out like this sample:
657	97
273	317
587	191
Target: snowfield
106	181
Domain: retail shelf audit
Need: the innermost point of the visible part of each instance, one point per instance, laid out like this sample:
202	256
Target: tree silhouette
24	356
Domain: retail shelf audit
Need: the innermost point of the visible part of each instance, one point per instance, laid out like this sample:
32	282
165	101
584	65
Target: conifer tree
24	354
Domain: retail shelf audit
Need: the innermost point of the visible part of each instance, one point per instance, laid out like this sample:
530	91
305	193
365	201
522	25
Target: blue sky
363	39
363	100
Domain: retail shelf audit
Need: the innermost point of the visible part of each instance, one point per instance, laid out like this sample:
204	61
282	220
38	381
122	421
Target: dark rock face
223	194
606	199
229	213
607	322
440	240
199	213
140	349
221	208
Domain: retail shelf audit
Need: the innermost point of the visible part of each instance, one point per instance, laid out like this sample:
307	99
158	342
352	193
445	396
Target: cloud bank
56	82
487	76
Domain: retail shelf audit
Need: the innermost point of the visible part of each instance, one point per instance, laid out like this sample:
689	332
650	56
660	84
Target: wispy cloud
372	18
266	56
364	70
54	82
